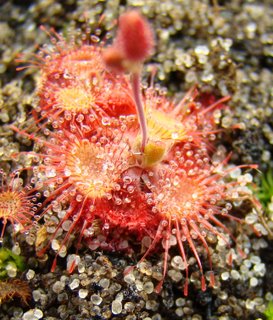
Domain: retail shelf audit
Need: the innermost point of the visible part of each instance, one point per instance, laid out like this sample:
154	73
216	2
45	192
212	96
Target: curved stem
135	81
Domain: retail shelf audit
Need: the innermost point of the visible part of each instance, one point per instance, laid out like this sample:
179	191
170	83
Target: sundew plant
115	161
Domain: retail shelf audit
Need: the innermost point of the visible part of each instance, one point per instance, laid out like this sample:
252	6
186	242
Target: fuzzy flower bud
134	38
133	44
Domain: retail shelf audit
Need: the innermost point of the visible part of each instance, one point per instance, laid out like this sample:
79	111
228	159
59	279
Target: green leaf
269	311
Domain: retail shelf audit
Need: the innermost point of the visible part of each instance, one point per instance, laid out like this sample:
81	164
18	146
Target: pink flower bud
113	59
135	37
